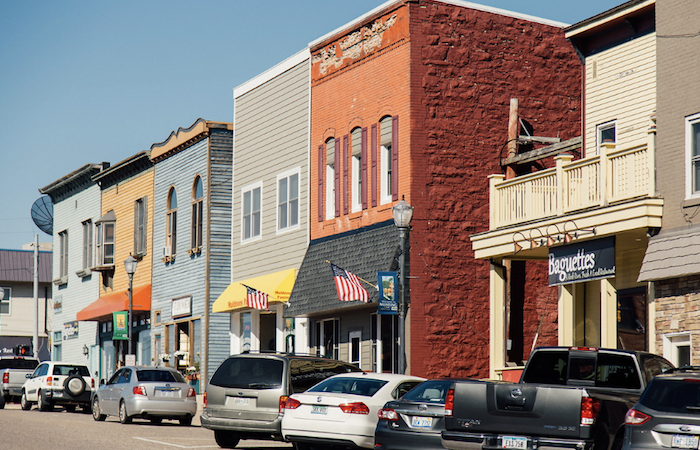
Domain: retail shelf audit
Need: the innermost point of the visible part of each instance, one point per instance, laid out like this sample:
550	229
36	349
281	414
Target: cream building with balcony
591	215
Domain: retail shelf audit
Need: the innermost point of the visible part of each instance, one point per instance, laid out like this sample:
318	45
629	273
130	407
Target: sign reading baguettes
590	260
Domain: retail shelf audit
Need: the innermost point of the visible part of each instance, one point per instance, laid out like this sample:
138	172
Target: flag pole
361	279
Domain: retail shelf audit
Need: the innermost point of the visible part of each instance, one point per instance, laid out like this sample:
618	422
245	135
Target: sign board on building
388	293
585	261
70	330
181	307
120	330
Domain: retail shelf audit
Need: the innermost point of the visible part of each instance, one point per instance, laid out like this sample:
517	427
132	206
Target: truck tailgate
533	410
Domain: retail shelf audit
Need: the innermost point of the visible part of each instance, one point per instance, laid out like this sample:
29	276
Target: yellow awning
277	285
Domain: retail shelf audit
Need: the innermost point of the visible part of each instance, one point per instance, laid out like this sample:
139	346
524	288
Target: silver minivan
245	397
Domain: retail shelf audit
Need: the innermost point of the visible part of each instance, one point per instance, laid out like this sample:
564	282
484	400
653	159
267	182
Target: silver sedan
151	393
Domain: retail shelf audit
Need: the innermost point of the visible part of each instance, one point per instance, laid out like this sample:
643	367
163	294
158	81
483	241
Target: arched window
386	160
357	146
331	183
171	224
197	214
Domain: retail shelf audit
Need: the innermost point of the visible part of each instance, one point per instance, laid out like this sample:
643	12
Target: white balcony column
497	318
494	204
651	156
566	315
608	314
562	160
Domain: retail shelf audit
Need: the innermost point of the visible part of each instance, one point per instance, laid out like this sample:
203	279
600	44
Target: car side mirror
102	382
29	375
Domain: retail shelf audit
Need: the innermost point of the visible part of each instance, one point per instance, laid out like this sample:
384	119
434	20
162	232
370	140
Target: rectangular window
356	175
63	254
327	338
5	300
388	164
87	244
288	200
692	143
605	135
57	340
140	226
105	243
252	210
355	339
197	223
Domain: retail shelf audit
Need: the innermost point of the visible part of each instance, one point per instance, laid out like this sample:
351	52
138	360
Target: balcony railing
612	176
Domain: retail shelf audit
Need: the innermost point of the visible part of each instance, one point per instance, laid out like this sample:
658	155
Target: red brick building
412	100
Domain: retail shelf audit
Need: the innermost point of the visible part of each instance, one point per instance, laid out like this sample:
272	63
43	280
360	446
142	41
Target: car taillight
5	377
354	408
49	380
204	399
291	403
634	417
191	393
589	410
92	382
283	401
387	414
449	402
139	390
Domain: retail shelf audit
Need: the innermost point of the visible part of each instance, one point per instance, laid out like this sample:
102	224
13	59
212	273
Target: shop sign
388	294
576	263
70	330
181	307
119	330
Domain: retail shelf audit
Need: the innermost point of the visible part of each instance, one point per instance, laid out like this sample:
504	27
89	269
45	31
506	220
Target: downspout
204	370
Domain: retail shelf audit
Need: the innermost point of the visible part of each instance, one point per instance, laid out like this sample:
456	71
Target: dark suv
246	394
667	414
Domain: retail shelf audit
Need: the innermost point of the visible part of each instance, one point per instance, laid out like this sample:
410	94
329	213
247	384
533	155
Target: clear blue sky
85	81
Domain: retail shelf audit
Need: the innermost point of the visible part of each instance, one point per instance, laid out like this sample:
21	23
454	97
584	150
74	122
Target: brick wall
678	310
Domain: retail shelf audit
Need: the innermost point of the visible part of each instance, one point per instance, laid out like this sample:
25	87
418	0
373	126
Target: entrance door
268	332
385	342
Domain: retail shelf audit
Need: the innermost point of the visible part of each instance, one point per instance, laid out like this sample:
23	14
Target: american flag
256	299
348	286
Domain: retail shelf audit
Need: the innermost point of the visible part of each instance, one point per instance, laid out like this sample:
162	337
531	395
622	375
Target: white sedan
342	410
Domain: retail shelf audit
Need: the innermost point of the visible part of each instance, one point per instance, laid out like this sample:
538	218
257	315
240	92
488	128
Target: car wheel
156	420
42	403
96	411
186	421
226	439
123	416
24	403
74	385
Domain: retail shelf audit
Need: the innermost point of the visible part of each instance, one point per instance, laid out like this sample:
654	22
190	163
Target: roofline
606	16
271	73
461	3
120	165
70	177
183	137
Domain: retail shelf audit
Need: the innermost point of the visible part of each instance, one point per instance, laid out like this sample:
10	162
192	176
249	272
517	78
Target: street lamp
403	213
130	265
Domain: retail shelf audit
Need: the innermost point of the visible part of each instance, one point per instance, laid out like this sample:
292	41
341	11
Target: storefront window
246	331
631	319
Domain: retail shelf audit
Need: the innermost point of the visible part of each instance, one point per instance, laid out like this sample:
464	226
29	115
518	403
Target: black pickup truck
567	398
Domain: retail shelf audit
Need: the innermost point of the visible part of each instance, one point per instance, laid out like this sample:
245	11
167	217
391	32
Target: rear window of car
349	385
431	391
159	375
71	370
252	373
673	395
19	363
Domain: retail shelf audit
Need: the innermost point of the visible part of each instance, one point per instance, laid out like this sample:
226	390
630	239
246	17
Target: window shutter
321	176
337	177
395	158
375	157
346	185
364	168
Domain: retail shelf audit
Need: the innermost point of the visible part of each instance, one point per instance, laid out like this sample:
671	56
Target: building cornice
185	137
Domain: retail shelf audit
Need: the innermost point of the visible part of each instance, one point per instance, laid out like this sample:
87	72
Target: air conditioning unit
167	251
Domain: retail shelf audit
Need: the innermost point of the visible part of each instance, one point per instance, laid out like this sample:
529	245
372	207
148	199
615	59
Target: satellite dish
42	214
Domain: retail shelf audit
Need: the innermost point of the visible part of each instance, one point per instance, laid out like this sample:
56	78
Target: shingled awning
363	252
672	255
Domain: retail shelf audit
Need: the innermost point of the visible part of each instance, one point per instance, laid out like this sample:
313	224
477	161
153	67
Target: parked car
342	410
667	414
245	396
58	383
13	374
151	393
415	420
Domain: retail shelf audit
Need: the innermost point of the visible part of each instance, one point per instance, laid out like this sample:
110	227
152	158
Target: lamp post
403	213
130	265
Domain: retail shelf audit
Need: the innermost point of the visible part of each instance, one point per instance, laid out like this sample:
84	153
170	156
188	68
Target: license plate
684	441
515	442
421	422
241	401
164	393
57	394
319	409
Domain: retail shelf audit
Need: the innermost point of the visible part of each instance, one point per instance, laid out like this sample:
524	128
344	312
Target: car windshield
349	385
252	373
71	370
673	395
159	375
431	391
18	363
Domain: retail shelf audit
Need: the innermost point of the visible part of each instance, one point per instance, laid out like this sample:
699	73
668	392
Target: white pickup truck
13	374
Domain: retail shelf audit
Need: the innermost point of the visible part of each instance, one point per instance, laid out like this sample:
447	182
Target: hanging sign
576	263
388	293
120	330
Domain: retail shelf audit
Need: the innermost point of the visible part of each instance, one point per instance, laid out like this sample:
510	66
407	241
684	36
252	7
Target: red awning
104	306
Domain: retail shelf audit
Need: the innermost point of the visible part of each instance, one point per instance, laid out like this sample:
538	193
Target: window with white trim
692	144
251	214
171	223
57	341
385	160
197	214
141	226
330	178
87	244
5	300
63	254
356	166
327	338
288	200
355	339
605	134
676	348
